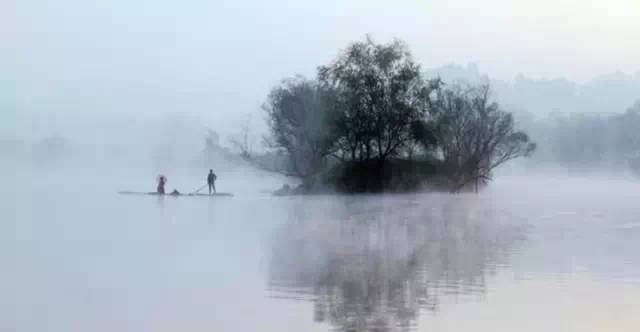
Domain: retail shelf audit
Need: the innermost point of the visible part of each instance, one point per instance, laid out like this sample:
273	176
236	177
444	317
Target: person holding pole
211	181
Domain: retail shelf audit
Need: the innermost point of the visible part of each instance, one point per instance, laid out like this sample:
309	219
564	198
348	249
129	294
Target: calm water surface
534	255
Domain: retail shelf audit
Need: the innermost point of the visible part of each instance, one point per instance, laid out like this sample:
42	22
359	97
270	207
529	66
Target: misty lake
538	254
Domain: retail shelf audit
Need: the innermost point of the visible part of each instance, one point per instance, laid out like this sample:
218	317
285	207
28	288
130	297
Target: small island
371	122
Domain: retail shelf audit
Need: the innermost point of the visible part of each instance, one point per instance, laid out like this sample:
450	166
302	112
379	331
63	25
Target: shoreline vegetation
370	122
374	121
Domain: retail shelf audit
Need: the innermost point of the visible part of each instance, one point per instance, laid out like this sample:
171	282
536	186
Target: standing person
162	180
211	181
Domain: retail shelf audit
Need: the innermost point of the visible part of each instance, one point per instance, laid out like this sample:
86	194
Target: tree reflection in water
372	264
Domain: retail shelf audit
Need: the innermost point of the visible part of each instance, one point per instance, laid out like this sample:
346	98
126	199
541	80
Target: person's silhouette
211	181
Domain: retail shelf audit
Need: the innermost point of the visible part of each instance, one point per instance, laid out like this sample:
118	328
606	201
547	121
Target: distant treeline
610	93
371	121
587	141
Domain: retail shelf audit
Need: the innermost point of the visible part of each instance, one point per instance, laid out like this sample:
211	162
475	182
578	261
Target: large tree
380	94
474	135
371	108
298	114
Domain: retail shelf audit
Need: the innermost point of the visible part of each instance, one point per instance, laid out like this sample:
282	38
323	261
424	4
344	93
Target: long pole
197	190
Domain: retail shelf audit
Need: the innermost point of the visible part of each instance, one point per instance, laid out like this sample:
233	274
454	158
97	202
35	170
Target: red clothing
161	183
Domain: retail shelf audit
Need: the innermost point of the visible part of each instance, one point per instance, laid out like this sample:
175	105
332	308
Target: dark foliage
380	94
299	112
474	135
391	175
371	123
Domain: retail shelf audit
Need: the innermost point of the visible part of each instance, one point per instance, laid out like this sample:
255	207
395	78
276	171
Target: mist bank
67	113
578	128
586	142
539	97
162	143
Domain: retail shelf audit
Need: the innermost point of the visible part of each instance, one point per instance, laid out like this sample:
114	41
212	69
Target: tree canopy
380	94
299	113
474	135
371	108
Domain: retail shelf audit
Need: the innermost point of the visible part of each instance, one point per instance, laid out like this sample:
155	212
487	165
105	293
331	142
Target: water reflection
375	264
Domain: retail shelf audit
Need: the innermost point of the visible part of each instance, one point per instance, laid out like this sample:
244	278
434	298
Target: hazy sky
219	58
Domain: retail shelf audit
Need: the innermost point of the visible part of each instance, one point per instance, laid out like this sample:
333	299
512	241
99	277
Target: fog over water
102	97
530	254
